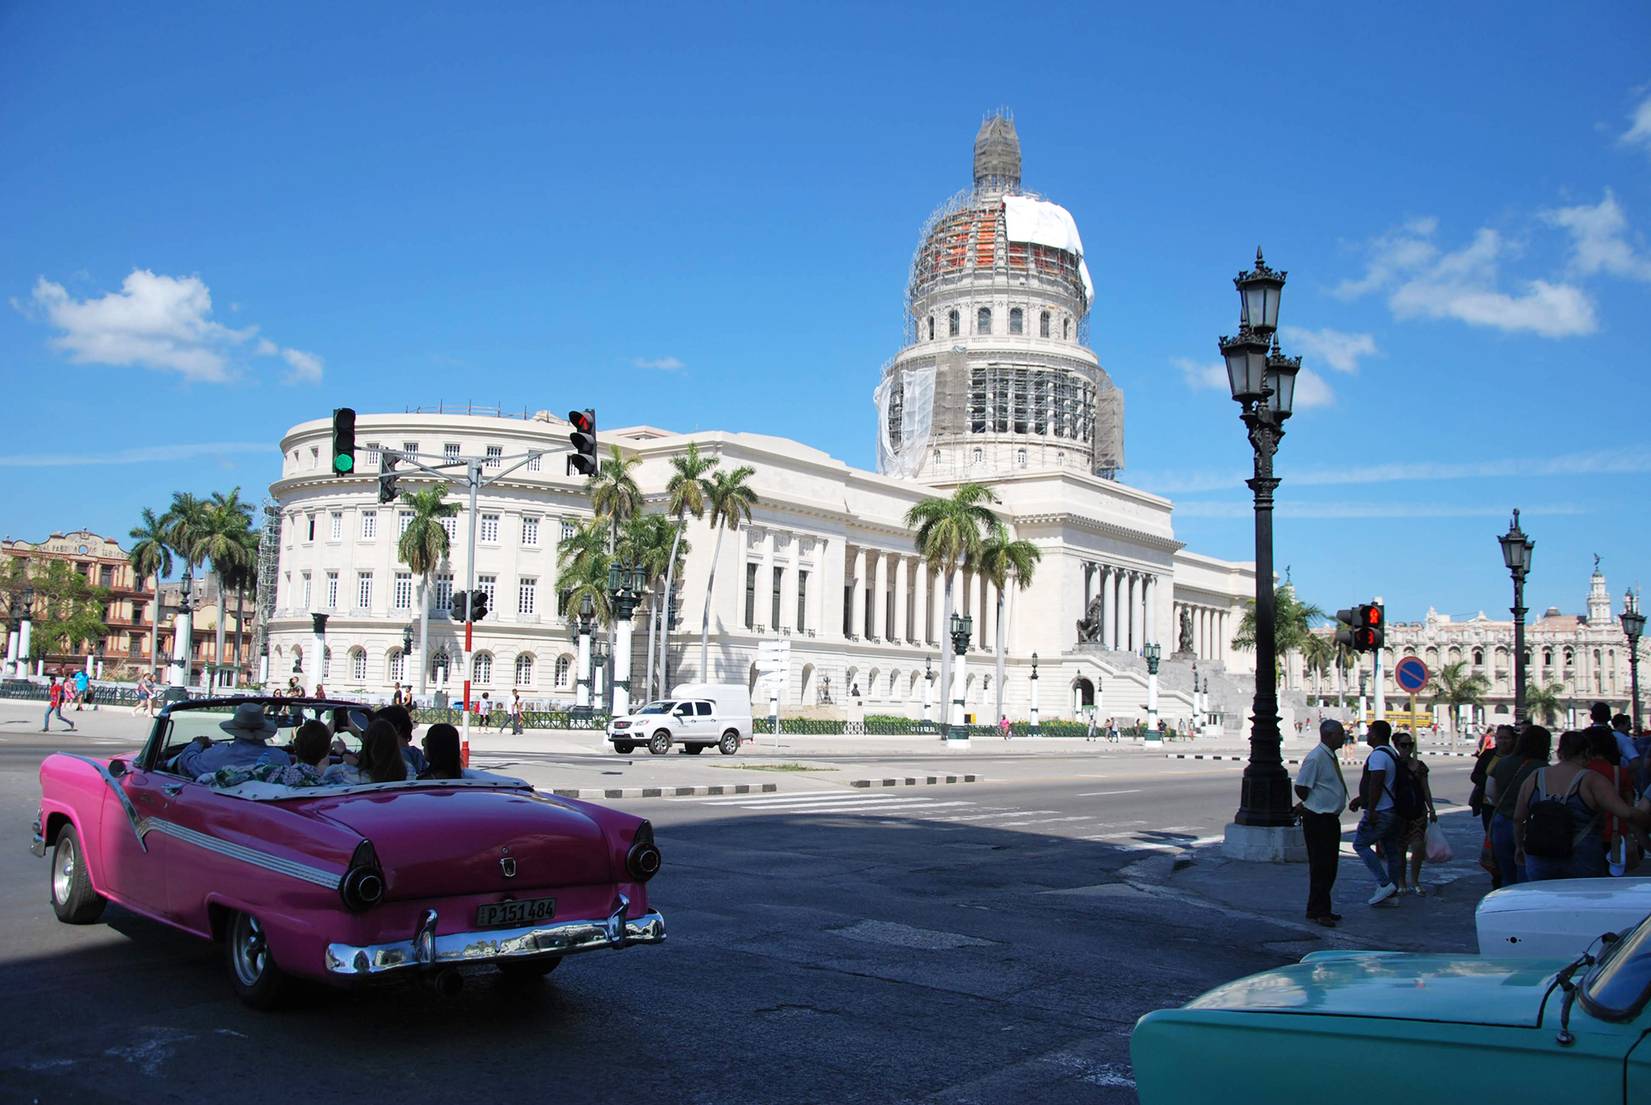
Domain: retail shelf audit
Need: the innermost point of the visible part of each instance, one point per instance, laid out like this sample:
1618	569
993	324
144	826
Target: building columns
1137	611
898	632
920	602
857	599
879	598
1151	604
1115	618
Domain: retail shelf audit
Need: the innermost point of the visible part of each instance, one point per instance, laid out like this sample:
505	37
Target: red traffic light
1373	615
582	421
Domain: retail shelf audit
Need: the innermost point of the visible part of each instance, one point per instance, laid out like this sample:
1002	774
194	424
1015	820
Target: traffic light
461	605
478	605
583	437
343	441
1372	629
1361	628
1347	623
387	477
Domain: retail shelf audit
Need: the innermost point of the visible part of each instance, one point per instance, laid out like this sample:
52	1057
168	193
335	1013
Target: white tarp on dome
1027	219
908	394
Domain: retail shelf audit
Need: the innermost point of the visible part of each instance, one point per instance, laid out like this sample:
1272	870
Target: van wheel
693	749
660	743
623	747
73	899
258	982
730	743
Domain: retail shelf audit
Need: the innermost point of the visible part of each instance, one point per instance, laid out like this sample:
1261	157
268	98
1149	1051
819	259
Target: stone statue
1089	626
1184	644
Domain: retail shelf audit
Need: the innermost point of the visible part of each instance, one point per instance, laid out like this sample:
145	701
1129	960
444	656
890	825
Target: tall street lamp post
25	633
625	584
928	688
1153	653
1516	554
1263	384
1034	710
581	687
1633	624
963	627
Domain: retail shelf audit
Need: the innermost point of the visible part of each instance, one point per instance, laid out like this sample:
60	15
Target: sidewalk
1441	920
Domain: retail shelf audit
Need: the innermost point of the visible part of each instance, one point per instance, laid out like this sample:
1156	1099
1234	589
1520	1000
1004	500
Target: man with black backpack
1390	800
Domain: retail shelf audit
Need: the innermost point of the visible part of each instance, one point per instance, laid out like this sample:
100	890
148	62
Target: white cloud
1599	239
1203	375
1312	391
1337	349
662	364
306	367
1639	127
155	321
144	455
1423	281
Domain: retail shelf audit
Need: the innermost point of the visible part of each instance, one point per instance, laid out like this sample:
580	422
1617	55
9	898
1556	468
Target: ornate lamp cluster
1633	624
1516	554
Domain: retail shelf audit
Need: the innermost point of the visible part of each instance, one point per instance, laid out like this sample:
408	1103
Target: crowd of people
1585	814
318	754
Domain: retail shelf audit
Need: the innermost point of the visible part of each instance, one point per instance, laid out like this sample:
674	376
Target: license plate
520	912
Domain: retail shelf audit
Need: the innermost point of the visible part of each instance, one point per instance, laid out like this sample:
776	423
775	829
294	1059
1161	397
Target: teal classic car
1390	1026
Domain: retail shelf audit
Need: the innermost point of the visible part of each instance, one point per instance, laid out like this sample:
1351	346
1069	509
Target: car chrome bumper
474	949
38	844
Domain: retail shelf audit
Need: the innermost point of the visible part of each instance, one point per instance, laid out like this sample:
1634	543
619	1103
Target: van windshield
657	707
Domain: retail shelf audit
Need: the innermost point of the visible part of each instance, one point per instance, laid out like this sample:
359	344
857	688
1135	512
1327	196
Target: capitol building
996	383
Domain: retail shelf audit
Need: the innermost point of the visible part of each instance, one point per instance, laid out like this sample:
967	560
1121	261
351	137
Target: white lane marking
1104	793
863	807
755	800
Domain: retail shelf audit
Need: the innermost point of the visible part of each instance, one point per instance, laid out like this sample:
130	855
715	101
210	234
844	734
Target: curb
918	781
665	792
1244	759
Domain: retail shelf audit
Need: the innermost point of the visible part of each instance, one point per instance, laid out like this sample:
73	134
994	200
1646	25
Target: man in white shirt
1380	823
1323	795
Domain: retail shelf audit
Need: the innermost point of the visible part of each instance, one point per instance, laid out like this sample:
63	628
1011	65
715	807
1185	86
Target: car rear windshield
1620	985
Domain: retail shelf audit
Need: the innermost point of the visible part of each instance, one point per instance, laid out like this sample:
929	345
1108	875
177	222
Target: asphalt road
966	943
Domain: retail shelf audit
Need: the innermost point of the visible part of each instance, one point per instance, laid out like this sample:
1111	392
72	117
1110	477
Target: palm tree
151	558
1457	687
186	523
1292	624
1004	560
729	498
423	546
223	542
950	533
243	574
1346	662
1318	654
1542	703
684	497
649	542
582	560
614	495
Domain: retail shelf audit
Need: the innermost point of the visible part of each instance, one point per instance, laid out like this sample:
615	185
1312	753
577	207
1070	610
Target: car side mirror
117	768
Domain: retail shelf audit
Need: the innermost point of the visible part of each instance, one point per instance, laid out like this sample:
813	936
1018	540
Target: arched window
894	686
1020	457
1570	658
983	321
438	666
980	456
564	671
358	665
297	659
1547	657
326	663
954	324
931	327
1043	325
1478	658
397	665
1017	321
482	669
524	670
1066	329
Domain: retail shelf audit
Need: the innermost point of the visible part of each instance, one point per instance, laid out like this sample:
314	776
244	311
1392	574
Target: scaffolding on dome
269	561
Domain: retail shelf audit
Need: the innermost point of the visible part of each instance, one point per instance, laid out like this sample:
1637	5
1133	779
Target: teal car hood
1445	988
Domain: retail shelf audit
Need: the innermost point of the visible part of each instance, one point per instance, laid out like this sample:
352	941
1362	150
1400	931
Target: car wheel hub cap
63	878
251	952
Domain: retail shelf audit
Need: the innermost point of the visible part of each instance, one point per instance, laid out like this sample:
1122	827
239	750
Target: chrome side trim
109	780
277	864
476	949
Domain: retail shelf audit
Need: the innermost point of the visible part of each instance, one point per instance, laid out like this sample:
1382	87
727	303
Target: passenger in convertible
403	721
441	747
250	728
309	750
381	760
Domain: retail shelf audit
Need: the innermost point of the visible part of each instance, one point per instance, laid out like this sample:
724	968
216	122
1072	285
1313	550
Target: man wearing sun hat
251	728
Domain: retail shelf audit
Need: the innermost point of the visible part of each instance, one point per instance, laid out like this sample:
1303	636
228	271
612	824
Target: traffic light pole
1376	662
472	480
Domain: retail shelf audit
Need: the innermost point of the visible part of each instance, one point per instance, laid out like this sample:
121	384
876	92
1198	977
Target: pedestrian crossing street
945	810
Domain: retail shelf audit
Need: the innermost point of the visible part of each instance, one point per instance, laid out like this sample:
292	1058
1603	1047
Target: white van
697	716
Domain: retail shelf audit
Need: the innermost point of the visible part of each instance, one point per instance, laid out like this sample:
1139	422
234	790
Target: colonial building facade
127	611
995	385
1586	656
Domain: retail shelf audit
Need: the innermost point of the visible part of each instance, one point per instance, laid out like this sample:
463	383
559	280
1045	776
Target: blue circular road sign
1410	674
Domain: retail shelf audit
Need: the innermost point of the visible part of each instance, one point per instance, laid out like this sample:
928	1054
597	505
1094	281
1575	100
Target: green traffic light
343	462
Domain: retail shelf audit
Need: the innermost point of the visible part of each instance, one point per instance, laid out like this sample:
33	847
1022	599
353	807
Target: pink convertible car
346	883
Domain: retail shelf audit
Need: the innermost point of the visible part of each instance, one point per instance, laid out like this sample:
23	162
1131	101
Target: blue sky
221	221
